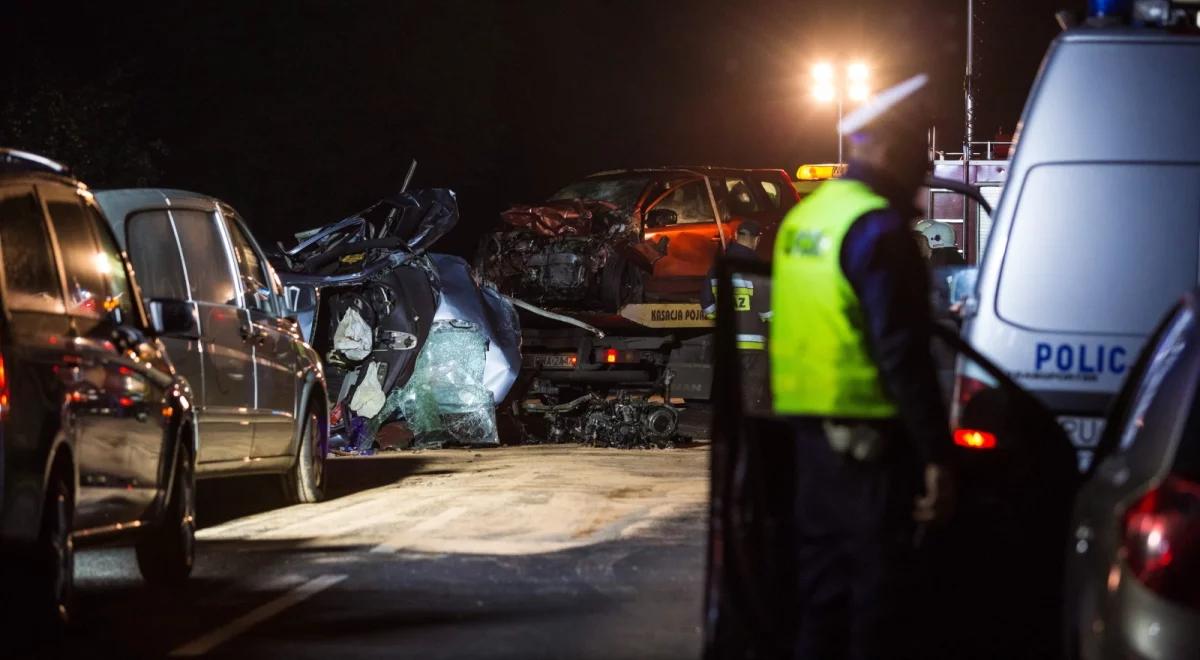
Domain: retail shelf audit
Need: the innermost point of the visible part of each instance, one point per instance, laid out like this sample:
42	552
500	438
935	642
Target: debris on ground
623	421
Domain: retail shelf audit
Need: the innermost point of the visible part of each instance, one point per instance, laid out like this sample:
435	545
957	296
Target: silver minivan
260	387
1098	232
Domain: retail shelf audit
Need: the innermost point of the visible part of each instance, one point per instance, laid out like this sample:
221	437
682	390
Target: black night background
301	112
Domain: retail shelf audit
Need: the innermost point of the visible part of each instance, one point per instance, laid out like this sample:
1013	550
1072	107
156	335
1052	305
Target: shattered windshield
624	192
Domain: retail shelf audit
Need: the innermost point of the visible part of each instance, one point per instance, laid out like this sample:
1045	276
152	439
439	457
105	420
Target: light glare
858	72
101	262
823	71
859	92
824	93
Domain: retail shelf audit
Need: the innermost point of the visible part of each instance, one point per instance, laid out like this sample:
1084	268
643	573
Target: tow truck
616	348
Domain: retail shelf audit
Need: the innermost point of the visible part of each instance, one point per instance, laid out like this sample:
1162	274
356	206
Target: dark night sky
300	112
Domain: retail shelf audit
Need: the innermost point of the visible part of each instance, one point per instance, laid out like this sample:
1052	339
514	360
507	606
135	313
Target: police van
1097	232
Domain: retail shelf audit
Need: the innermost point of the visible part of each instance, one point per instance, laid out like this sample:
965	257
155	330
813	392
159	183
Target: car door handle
716	239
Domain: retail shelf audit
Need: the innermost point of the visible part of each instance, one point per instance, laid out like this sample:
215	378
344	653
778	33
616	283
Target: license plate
1084	432
553	361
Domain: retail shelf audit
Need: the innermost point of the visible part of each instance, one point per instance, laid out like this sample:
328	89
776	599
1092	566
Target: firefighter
753	315
851	372
942	251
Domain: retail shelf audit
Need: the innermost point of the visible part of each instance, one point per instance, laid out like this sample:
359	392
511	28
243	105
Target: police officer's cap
899	107
750	228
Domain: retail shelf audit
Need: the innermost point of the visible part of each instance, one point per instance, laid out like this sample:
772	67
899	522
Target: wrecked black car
416	352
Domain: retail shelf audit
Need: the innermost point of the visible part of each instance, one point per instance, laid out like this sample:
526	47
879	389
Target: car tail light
974	439
967	431
616	356
1162	540
3	389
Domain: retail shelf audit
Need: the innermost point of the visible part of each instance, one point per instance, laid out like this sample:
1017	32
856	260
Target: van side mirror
661	218
174	318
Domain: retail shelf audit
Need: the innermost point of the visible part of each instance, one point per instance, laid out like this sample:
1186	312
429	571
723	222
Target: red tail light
971	436
974	439
610	356
3	389
1162	540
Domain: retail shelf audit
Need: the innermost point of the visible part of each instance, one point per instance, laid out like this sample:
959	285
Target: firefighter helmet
939	234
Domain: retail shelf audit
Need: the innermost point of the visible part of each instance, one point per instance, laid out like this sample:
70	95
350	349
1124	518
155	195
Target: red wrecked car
630	236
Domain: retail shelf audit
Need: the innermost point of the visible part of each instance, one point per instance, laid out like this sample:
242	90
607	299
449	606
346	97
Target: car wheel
38	579
56	561
305	482
166	554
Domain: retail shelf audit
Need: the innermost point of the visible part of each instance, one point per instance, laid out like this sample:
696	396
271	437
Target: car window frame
229	215
675	184
51	245
772	203
101	224
50	193
748	180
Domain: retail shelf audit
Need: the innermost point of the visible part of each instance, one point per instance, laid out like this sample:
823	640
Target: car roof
17	164
706	169
1126	34
118	205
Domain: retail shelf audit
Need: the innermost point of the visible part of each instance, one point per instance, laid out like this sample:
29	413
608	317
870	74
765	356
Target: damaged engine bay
585	254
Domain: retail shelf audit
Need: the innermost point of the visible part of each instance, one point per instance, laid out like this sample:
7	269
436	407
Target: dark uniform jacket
891	280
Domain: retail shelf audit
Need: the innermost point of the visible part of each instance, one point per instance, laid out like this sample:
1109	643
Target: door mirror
174	318
661	218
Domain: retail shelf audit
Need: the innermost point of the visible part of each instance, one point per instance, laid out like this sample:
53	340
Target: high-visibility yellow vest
820	364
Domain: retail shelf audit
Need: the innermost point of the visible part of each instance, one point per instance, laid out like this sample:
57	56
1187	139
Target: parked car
97	432
260	390
1134	569
628	236
1107	151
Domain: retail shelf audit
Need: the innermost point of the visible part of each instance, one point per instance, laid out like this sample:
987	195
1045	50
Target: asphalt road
522	552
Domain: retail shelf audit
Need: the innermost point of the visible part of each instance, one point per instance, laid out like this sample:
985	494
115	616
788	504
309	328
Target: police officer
851	370
753	314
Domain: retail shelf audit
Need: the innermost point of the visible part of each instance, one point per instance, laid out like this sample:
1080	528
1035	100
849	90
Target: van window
155	257
255	284
1101	248
209	273
29	273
